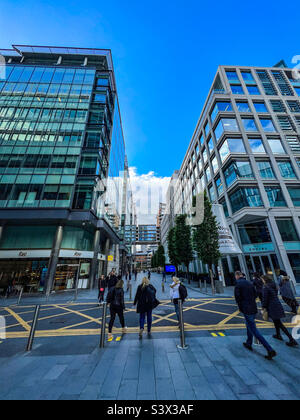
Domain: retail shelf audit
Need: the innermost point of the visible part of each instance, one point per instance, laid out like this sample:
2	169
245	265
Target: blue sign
170	269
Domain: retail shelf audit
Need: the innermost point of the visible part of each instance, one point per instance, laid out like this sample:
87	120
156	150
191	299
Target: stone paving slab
211	369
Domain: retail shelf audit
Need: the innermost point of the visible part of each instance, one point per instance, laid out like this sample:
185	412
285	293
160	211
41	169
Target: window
211	192
208	174
256	146
278	106
237	90
206	129
266	82
219	186
243	106
287	230
285	123
238	170
231	146
201	140
253	90
254	233
232	76
260	107
275	197
297	89
249	124
210	145
205	156
245	197
247	76
267	125
295	195
294	106
287	170
283	85
294	144
215	165
226	124
276	146
265	169
220	107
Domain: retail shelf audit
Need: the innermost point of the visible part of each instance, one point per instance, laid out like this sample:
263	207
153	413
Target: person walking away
259	285
245	296
177	291
288	294
112	280
128	282
149	275
115	298
145	300
101	288
274	308
135	275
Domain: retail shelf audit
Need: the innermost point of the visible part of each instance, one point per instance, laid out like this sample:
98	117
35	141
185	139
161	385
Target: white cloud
148	190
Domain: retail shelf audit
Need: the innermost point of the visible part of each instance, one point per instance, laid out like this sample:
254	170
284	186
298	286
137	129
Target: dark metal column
54	260
94	263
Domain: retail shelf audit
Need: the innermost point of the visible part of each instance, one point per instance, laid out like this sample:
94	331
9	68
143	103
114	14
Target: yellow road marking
19	319
79	314
229	318
214	334
221	334
118	338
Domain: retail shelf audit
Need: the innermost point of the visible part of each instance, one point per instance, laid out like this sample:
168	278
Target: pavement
66	362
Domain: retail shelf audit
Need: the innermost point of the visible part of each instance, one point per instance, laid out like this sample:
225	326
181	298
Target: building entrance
71	274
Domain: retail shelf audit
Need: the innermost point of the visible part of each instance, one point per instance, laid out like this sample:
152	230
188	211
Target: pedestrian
274	310
245	296
112	280
101	288
149	275
258	284
128	282
164	276
146	301
115	298
135	275
288	294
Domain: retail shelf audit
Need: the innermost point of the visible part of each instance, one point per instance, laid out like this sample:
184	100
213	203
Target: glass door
66	276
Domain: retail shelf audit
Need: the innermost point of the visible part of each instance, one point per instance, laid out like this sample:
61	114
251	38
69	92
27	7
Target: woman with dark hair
271	304
115	298
258	284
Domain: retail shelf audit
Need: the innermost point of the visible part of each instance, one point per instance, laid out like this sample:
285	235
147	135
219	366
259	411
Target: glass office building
62	160
245	152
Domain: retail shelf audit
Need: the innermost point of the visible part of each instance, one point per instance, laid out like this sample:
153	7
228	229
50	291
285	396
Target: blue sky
159	51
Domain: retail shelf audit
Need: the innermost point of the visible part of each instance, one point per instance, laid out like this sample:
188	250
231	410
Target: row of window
42	114
21	138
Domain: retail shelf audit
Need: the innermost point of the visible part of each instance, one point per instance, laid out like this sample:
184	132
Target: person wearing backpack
288	294
177	291
145	300
115	298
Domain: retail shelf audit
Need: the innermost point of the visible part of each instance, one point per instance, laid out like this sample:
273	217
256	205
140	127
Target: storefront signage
65	253
110	258
252	248
227	243
23	254
101	257
292	246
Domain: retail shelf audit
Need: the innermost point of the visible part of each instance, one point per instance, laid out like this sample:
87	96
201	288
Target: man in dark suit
245	296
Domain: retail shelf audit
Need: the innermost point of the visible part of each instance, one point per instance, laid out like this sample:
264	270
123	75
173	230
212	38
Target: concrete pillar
54	259
94	263
1	231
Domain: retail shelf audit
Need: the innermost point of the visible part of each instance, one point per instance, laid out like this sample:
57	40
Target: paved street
66	362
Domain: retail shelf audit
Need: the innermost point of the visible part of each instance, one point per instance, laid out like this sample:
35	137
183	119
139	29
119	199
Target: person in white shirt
175	295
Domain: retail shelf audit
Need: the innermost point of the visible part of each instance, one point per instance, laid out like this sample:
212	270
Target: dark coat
111	281
286	290
272	303
101	284
245	296
259	285
141	299
115	297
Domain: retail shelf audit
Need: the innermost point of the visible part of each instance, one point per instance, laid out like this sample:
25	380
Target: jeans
149	320
252	331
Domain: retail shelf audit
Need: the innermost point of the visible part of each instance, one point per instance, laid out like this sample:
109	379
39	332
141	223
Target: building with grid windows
63	174
245	152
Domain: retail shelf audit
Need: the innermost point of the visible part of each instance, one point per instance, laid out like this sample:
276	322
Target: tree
172	251
183	242
161	259
206	238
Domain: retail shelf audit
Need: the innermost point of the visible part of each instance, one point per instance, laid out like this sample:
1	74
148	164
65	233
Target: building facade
168	218
159	217
245	152
62	165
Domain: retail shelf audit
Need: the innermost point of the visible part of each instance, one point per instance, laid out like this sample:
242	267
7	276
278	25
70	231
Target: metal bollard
20	295
163	287
182	345
33	328
103	326
130	292
205	286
